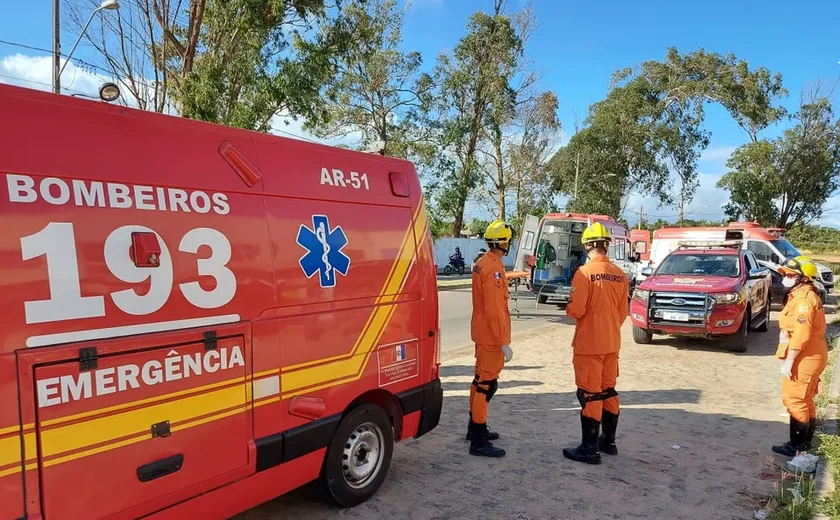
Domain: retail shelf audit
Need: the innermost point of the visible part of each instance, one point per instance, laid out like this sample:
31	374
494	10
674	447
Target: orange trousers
799	392
595	378
489	362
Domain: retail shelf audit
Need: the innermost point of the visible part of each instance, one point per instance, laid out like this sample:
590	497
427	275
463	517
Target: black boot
809	436
609	422
479	445
587	451
491	435
798	437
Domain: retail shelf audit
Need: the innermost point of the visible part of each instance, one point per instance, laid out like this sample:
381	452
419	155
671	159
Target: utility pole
641	210
56	74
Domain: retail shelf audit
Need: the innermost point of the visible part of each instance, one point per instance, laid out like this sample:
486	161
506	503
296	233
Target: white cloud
36	72
717	154
286	126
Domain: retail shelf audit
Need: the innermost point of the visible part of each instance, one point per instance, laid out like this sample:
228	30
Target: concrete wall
470	247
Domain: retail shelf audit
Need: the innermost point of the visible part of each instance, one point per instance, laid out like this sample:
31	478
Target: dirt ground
694	438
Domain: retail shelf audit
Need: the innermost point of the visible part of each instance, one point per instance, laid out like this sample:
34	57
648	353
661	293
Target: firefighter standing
490	329
802	352
599	304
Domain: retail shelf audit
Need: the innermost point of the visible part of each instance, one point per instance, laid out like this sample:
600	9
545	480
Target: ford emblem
678	301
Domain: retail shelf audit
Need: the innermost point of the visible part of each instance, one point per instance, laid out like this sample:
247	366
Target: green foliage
475	75
379	90
477	227
785	182
815	239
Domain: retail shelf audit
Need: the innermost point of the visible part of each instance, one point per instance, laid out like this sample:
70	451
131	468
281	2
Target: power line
36	82
78	60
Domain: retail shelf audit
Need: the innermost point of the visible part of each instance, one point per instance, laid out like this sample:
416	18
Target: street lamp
106	4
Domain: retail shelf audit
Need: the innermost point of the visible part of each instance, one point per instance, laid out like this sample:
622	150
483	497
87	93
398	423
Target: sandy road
722	410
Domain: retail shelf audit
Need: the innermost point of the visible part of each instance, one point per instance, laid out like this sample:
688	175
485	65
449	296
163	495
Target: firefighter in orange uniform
599	304
802	352
490	333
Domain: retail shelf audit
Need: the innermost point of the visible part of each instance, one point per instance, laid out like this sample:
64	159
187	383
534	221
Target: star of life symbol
323	247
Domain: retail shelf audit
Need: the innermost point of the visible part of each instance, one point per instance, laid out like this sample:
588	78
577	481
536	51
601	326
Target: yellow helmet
596	232
498	232
801	265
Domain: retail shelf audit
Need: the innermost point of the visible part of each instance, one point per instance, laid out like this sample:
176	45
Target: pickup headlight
641	295
726	298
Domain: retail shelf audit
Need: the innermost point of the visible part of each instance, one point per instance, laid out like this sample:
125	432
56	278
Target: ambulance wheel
359	456
642	336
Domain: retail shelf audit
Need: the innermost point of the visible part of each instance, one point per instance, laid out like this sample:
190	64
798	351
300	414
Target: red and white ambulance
197	319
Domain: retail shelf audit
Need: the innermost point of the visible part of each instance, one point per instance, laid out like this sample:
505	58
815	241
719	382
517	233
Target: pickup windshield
701	265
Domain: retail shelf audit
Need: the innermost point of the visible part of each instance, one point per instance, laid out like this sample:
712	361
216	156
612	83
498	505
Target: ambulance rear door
527	242
130	426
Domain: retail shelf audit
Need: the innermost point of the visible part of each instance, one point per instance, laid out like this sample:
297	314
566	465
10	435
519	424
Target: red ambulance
197	319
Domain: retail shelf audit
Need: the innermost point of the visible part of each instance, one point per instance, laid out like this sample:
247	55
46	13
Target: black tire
461	270
764	327
447	270
542	298
738	341
642	336
356	438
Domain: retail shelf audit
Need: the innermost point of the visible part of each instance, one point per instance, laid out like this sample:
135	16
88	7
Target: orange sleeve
495	303
579	298
802	327
624	306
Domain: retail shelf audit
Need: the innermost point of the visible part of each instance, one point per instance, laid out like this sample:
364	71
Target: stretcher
517	277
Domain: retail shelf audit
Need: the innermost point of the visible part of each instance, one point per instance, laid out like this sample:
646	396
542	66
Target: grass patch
829	449
792	498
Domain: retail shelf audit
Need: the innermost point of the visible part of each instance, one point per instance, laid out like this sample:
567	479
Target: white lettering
161	195
21	188
47	388
178	199
118	196
76	389
152	373
207	366
236	359
63	191
142	196
203	198
339	178
222	207
192	363
127	376
173	368
95	196
105	377
326	178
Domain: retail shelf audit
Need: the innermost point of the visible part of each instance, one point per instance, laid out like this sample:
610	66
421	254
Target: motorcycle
456	264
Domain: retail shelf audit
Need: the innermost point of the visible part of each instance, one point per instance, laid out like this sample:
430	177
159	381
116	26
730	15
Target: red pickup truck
713	290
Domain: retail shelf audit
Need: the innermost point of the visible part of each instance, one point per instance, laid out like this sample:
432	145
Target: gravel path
721	410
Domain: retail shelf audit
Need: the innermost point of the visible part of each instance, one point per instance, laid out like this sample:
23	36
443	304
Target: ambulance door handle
160	468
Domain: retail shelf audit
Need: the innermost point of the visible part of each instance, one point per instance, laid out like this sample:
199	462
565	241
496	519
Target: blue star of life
323	250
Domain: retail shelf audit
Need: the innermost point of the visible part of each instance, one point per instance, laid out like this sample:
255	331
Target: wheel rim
362	456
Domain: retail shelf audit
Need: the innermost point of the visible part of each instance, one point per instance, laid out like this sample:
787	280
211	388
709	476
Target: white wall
470	247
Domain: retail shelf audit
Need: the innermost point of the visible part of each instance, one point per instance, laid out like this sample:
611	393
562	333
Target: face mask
788	282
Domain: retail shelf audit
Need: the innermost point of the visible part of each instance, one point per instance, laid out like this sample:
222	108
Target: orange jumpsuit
599	304
804	318
490	329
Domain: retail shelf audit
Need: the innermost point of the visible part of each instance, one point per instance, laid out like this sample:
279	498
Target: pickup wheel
642	336
764	327
359	456
738	341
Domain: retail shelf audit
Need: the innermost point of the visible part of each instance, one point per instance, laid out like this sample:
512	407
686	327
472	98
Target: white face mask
789	282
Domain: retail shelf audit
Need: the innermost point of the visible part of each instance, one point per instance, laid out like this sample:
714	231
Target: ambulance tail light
436	369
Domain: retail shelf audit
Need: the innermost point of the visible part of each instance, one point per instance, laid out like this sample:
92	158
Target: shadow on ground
713	473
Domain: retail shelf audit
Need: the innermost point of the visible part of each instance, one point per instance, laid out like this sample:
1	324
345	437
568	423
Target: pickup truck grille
827	276
674	308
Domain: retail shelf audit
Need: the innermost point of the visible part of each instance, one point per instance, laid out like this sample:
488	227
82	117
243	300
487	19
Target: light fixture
109	4
109	92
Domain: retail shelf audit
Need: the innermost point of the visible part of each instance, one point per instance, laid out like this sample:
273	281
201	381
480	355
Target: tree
379	90
469	81
235	62
785	182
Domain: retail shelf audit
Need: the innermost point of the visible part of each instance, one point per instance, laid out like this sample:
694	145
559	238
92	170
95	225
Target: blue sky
578	45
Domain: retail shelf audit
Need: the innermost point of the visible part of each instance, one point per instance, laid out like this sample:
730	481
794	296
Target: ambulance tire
364	434
642	336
